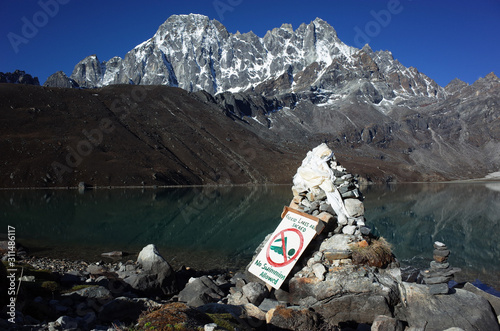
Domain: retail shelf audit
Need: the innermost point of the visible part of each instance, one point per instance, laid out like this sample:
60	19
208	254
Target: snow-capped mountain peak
196	53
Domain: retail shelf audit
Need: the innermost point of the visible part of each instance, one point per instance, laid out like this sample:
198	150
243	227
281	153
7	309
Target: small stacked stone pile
440	272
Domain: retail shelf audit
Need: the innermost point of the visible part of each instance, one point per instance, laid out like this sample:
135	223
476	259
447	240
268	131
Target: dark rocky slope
158	135
125	135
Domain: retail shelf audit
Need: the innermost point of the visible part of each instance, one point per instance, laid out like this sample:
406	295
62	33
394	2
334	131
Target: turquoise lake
207	227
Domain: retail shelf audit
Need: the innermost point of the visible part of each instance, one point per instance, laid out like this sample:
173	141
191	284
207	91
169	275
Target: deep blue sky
442	38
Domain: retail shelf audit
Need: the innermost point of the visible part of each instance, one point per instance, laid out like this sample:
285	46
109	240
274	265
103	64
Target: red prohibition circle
286	260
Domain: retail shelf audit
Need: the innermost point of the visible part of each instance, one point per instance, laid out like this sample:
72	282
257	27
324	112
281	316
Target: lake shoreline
94	285
493	177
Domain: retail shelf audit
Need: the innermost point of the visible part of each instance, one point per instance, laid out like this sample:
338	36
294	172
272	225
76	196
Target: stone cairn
313	200
440	272
345	265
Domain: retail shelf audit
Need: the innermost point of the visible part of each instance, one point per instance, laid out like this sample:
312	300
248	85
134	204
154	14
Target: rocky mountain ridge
196	53
18	77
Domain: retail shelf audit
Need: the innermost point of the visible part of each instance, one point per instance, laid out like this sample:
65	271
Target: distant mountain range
18	77
290	90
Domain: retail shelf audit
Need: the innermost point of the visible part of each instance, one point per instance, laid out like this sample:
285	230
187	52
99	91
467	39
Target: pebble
56	265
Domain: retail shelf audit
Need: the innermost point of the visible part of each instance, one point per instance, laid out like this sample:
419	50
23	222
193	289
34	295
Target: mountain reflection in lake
220	227
465	216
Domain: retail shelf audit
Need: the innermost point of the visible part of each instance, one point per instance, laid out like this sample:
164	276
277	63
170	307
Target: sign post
287	243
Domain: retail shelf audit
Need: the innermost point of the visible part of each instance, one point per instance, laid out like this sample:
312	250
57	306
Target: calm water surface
220	227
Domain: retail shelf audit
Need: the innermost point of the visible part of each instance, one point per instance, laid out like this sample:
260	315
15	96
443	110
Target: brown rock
294	205
363	243
269	315
440	259
325	217
442	252
337	255
293	319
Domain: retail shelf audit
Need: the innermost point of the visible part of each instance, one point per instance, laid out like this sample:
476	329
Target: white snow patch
257	120
493	175
493	186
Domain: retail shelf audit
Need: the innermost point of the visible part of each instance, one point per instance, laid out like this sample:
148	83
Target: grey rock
236	297
338	229
492	299
27	278
386	323
72	277
346	281
127	268
156	277
67	322
268	304
150	259
94	292
437	280
434	274
255	292
124	309
319	271
365	231
342	220
326	207
95	269
354	207
437	265
151	283
349	229
343	189
200	291
314	205
307	302
361	308
351	194
53	326
439	288
338	242
210	327
89	319
422	306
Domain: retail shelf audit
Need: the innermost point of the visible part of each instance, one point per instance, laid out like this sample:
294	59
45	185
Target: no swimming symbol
284	247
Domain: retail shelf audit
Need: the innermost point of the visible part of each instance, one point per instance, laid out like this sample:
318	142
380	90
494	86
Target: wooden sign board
287	243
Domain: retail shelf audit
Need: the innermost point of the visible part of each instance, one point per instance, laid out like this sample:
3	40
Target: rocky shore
346	279
60	294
